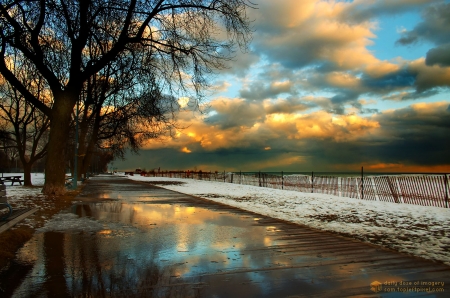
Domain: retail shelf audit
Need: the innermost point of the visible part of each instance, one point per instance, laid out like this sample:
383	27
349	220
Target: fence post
312	182
446	190
362	183
240	177
259	178
224	178
282	180
232	174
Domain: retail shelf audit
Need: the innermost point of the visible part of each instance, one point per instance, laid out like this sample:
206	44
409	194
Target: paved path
154	242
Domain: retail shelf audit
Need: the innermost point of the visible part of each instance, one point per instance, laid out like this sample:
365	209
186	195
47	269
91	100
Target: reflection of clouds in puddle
195	241
72	223
104	232
182	246
268	241
221	245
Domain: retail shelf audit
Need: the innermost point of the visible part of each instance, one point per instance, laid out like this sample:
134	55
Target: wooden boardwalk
194	247
323	264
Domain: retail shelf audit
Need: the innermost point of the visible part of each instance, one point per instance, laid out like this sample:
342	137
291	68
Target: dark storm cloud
411	95
435	26
416	76
288	106
235	113
416	135
439	56
219	160
369	111
420	95
259	91
340	100
417	120
362	13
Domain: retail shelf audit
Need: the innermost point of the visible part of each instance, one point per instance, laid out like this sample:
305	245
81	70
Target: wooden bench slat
17	216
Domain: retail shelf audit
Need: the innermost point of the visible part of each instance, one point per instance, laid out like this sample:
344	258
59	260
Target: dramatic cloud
428	77
363	10
434	28
235	113
286	106
439	56
259	90
415	135
312	94
310	33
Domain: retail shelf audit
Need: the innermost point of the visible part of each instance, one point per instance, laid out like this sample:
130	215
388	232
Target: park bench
11	179
11	217
4	202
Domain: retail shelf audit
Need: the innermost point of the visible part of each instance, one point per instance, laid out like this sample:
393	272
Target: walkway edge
16	220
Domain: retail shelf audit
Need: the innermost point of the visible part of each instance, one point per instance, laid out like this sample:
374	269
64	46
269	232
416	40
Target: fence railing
423	189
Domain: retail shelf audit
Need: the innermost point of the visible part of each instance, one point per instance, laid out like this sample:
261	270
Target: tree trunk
81	151
88	151
56	155
27	173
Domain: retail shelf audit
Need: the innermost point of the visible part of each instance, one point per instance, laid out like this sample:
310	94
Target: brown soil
13	239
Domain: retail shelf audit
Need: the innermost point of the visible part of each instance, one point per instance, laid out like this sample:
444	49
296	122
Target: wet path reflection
130	239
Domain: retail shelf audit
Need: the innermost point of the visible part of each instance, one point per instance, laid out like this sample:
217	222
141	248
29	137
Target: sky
324	86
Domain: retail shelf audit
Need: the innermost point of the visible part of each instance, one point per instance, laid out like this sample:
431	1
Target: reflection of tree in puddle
75	265
132	280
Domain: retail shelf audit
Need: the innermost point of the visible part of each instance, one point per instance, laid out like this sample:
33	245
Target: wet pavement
133	239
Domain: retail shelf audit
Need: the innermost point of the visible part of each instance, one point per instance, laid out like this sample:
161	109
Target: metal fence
420	189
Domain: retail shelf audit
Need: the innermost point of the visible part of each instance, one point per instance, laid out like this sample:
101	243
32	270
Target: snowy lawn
20	196
417	230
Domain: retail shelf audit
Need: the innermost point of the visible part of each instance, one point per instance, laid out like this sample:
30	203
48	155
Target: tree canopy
174	43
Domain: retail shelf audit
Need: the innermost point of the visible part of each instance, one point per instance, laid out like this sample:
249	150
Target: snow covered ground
417	230
18	195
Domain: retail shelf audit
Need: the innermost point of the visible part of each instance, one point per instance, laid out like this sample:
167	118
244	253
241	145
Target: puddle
170	245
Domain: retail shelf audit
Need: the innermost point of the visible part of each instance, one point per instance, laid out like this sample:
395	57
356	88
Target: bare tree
27	127
113	118
68	41
5	145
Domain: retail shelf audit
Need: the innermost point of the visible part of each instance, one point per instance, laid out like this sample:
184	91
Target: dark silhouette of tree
5	145
112	118
178	42
27	126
